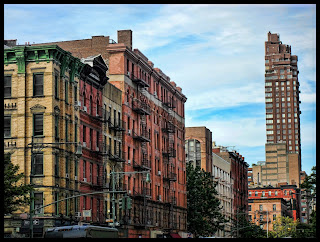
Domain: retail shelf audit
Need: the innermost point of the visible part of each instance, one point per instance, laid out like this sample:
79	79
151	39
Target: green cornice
20	55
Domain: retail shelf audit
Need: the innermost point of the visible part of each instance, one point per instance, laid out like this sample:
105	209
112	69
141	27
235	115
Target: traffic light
148	180
120	203
128	203
123	201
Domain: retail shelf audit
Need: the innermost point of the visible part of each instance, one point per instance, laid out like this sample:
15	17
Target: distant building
268	202
198	147
283	146
221	170
239	176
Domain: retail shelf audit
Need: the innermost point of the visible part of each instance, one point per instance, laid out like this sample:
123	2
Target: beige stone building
39	107
221	175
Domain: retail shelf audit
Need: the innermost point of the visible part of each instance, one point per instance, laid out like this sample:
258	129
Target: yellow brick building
41	93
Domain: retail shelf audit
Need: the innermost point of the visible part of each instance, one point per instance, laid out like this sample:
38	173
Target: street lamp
42	145
113	173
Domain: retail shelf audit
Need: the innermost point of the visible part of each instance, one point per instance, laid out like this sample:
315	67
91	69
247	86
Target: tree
15	193
242	228
284	227
204	216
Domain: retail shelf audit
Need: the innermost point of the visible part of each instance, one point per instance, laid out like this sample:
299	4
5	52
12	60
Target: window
84	169
38	84
7	126
84	134
263	193
38	164
276	193
56	127
38	124
38	202
255	193
66	91
56	199
56	86
249	207
56	165
274	207
269	193
7	86
67	164
260	208
67	130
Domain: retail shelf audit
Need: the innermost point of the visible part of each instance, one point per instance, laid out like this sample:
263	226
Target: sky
215	53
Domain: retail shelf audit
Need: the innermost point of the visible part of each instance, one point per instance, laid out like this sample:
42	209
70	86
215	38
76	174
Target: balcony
97	184
144	165
169	127
170	176
169	103
102	114
100	149
138	80
116	156
141	192
143	136
116	124
140	107
169	152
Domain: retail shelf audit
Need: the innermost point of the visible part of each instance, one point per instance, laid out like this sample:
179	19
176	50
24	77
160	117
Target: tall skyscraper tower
283	146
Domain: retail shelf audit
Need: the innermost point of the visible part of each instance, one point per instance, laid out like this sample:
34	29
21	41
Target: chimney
125	37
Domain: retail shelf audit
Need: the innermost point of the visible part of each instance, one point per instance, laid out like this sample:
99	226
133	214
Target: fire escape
169	153
141	193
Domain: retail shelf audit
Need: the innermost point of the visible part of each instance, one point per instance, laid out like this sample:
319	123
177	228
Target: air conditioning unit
85	179
159	173
159	197
78	103
129	161
129	132
85	108
75	178
97	148
128	73
155	93
157	224
77	214
84	144
129	192
67	175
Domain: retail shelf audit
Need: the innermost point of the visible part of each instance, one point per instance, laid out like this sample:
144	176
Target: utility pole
113	197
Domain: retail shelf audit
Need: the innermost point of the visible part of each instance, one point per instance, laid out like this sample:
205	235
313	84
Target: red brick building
239	174
289	193
91	163
153	110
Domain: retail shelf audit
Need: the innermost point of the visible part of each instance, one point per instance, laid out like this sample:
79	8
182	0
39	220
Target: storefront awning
175	235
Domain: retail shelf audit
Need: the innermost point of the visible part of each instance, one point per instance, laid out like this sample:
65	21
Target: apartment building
41	119
221	174
92	115
268	203
153	112
198	147
239	177
283	146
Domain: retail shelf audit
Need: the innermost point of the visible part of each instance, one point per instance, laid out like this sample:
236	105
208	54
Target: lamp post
42	145
113	173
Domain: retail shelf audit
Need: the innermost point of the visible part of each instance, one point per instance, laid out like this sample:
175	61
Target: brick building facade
153	111
283	200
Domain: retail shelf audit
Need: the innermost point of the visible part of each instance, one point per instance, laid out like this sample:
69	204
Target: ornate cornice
20	55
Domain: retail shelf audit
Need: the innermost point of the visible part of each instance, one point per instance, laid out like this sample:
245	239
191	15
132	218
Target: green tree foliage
242	228
15	194
310	182
284	227
204	213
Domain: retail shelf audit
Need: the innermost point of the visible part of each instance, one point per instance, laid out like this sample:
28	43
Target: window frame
36	86
5	128
35	129
7	87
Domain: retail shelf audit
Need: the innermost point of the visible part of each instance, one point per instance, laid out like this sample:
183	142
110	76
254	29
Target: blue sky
215	53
